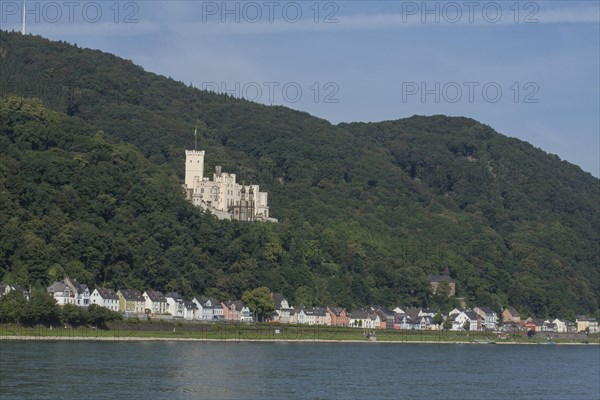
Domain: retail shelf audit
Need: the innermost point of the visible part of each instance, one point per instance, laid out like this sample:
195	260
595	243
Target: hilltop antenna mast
24	5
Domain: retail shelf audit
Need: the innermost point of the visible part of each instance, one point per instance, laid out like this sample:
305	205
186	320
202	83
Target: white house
155	302
364	319
246	315
282	308
403	321
489	317
209	309
106	298
70	292
460	317
561	326
422	323
190	310
175	304
5	289
199	307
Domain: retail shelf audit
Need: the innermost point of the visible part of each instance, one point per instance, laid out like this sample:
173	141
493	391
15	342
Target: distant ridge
367	210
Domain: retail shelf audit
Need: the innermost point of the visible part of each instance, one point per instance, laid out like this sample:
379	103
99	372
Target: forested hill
90	187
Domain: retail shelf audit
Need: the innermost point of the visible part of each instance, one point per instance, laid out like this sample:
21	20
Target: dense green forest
91	165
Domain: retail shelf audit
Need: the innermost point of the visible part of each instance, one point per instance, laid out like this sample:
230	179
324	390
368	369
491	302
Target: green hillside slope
366	211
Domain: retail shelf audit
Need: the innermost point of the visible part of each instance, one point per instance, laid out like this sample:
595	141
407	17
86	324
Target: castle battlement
194	152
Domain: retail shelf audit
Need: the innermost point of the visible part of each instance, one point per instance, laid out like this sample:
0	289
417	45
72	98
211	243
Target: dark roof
412	312
174	295
486	310
359	314
472	314
156	296
107	294
80	287
336	310
190	305
238	305
214	302
513	312
316	311
401	316
386	311
131	295
57	287
278	298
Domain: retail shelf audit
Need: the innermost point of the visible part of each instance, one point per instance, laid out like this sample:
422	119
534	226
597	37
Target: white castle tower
194	167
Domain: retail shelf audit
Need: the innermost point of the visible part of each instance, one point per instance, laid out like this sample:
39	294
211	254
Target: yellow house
585	323
131	301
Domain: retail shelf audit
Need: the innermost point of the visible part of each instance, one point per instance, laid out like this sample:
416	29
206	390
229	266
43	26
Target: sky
529	69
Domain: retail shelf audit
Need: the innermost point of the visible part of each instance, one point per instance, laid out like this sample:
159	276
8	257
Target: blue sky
530	70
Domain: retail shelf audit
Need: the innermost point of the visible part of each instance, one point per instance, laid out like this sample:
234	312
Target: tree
12	306
72	315
40	309
467	325
98	316
259	301
447	325
437	319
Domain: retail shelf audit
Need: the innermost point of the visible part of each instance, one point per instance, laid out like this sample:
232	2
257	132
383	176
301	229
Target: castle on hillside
223	196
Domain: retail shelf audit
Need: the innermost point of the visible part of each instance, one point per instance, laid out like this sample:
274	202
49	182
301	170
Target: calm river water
200	370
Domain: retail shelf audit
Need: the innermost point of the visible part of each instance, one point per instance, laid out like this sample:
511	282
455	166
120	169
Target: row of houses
151	303
480	318
582	323
154	304
475	319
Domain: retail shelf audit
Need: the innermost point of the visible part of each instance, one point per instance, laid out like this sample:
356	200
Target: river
201	370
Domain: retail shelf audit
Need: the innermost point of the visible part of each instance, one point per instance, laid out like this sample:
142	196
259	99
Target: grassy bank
264	332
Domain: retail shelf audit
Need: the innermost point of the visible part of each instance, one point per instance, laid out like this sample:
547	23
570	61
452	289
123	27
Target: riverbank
132	339
151	331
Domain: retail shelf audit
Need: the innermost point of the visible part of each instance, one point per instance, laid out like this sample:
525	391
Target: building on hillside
223	196
5	289
436	280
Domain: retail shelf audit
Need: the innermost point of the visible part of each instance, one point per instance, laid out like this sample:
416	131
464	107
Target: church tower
194	167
